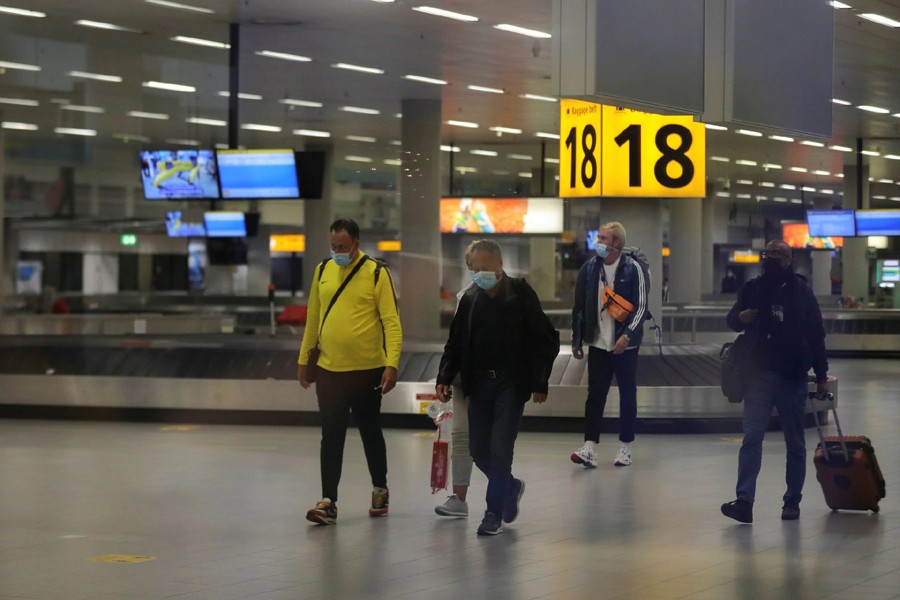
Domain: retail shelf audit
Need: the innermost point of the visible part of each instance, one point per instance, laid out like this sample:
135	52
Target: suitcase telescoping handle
828	400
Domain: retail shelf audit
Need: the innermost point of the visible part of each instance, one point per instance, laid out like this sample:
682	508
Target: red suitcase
846	466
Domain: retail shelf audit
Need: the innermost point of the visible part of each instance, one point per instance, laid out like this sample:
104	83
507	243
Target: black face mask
771	267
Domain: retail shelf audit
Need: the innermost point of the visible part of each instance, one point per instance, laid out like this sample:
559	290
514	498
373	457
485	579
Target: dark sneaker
380	500
325	512
790	511
739	510
511	502
490	525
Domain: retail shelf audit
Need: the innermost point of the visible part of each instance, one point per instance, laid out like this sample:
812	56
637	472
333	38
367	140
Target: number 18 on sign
610	151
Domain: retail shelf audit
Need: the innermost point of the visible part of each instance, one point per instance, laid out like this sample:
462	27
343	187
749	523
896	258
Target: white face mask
486	280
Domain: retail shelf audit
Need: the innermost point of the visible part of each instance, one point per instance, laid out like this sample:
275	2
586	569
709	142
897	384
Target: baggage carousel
252	379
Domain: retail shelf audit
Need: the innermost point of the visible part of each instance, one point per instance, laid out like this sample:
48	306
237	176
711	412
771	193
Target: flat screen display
257	174
591	239
179	174
826	223
225	224
888	271
878	222
502	215
176	226
797	236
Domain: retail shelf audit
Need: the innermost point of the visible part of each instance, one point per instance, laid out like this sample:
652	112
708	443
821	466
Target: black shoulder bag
737	367
312	361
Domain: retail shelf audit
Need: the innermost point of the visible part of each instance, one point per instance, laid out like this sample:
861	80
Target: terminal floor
220	510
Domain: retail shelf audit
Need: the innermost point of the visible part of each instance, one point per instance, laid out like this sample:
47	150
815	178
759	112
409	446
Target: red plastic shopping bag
440	460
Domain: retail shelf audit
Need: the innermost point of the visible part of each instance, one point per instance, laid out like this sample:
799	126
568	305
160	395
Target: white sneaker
453	507
623	457
585	456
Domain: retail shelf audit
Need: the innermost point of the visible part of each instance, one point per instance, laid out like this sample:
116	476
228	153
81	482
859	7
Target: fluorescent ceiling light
307	103
780	199
205	121
384	1
720	158
312	133
781	138
723	194
520	157
362	159
182	142
806	188
796	201
19	101
892	156
538	97
439	12
841	102
896	115
18	66
18	126
840	148
499	129
148	115
880	19
107	26
481	88
425	79
60	101
525	175
799	169
879	197
744	196
885	181
129	137
549	136
359	110
766	184
200	42
481	152
499	172
838	5
826	173
172	87
759	198
771	166
76	131
180	6
554	161
787	186
829	192
96	76
745	162
283	56
358	68
813	144
241	95
744	182
748	132
468	124
445	148
361	138
394	162
395	143
260	127
465	170
873	109
522	31
870	153
21	12
716	127
85	109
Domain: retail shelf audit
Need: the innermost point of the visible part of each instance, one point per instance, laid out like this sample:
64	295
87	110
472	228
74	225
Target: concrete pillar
145	273
686	260
3	272
420	192
642	219
854	256
707	228
821	272
259	263
541	273
129	201
317	217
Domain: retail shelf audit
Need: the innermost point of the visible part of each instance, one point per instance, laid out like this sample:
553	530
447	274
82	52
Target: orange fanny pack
618	307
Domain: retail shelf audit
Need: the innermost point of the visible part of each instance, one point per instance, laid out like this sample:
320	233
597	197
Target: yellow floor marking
179	428
736	440
121	558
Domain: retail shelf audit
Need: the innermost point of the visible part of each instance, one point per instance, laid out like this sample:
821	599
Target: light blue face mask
602	250
341	259
486	280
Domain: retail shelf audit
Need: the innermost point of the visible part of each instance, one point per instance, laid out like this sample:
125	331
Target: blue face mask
486	280
341	259
602	250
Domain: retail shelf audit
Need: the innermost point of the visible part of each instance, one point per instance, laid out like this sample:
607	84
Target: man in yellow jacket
358	336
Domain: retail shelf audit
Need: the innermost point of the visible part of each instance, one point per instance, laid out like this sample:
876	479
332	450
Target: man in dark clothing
780	314
503	346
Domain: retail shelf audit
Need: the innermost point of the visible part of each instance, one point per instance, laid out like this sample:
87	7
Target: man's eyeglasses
773	254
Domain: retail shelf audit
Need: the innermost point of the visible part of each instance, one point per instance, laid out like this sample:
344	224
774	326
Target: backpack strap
321	269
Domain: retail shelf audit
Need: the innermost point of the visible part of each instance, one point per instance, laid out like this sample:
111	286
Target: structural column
317	218
854	257
707	237
687	249
420	261
3	271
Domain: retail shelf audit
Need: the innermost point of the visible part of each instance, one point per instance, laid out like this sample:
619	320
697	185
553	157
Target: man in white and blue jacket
612	345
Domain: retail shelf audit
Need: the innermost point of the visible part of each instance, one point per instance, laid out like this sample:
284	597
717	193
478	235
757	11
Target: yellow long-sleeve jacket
362	331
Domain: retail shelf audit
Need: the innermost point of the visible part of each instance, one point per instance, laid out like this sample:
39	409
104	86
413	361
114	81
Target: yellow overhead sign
610	151
287	243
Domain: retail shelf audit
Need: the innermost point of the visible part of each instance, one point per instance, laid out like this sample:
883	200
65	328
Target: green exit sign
128	239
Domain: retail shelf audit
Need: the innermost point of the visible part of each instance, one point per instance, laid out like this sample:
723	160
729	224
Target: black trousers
602	365
338	394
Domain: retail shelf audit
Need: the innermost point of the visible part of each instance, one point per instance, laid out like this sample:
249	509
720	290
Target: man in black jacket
503	346
780	314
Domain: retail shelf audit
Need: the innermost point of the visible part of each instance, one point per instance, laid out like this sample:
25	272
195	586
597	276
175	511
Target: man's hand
578	352
301	376
821	388
444	392
388	380
621	344
539	398
747	316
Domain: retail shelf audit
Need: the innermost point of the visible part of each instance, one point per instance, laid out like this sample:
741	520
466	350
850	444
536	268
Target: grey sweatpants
460	456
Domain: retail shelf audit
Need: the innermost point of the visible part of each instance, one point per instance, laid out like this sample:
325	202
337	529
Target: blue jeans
767	390
494	416
602	365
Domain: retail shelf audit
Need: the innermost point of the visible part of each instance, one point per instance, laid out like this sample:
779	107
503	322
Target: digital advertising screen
257	174
878	222
591	239
796	235
177	227
826	223
179	174
502	215
225	224
888	271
